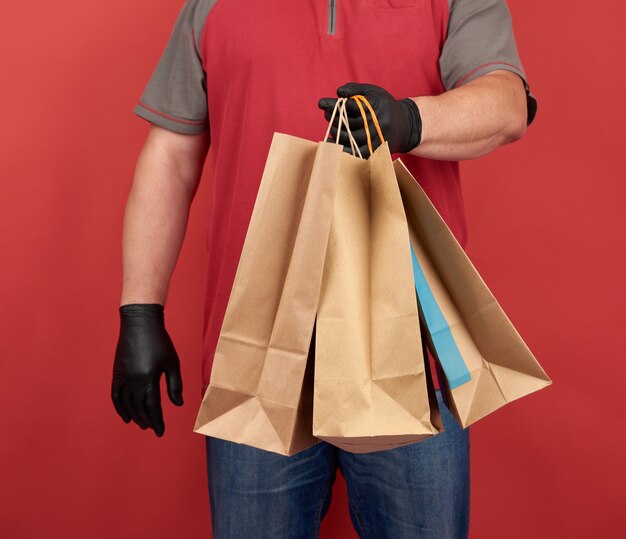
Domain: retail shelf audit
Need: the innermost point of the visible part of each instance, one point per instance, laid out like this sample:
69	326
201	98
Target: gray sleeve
175	96
480	39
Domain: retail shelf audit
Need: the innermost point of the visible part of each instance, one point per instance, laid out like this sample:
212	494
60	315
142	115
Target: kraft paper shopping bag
370	383
260	391
484	360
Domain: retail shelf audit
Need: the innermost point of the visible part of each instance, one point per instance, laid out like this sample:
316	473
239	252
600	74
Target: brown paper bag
501	367
370	384
260	390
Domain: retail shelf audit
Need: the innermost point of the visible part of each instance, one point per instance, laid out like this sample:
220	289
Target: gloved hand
144	351
400	121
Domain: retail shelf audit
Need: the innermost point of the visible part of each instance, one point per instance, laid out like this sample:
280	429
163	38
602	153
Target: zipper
332	17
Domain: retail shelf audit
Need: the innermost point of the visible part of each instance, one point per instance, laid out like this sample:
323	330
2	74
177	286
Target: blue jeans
419	490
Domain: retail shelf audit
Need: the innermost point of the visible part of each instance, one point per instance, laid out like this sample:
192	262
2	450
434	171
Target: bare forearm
155	221
473	119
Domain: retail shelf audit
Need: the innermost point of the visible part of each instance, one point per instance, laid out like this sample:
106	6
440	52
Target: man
444	78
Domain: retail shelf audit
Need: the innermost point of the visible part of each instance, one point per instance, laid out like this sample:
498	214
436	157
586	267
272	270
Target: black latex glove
399	120
144	351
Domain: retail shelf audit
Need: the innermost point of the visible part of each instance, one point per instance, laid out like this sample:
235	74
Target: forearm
155	221
473	119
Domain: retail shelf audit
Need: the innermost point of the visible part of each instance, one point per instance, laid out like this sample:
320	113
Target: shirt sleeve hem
179	125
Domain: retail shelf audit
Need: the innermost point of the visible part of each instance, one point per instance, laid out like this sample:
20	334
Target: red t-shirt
248	69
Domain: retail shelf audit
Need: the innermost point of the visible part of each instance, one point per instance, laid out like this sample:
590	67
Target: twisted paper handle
359	99
340	106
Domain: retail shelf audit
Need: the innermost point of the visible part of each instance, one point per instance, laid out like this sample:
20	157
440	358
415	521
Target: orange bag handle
361	99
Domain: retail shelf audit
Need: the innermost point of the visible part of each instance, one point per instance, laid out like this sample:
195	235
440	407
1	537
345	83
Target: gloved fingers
116	396
128	405
327	104
358	134
353	111
356	126
174	383
375	95
354	88
136	399
348	149
152	404
125	401
365	151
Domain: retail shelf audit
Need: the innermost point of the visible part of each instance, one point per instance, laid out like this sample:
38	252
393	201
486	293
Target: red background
547	232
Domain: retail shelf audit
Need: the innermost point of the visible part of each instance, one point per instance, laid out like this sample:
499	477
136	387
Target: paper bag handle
343	119
359	99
